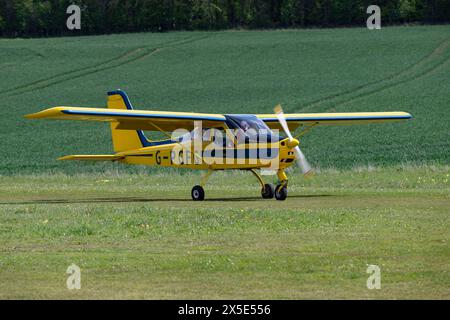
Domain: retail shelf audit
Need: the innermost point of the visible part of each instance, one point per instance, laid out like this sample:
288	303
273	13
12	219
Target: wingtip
40	114
64	158
30	116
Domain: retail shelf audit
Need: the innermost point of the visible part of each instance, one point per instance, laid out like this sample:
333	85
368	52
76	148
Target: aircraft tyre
198	193
281	192
268	191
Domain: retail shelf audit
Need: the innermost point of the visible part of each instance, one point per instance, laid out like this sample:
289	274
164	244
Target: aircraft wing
93	157
133	119
169	121
294	120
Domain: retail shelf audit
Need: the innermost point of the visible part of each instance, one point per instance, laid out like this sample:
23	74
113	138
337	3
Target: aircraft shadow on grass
138	199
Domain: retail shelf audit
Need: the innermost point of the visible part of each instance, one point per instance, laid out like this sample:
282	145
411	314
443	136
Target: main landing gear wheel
281	192
268	191
198	193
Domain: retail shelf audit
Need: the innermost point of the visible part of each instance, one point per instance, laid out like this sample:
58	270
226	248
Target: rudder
124	139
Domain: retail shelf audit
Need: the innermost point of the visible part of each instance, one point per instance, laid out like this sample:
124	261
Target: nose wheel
198	193
281	192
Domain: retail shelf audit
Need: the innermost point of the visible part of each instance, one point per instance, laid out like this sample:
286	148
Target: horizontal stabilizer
93	157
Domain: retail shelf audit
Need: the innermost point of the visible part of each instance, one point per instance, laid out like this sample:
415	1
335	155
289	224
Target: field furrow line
410	72
77	75
29	84
128	57
389	86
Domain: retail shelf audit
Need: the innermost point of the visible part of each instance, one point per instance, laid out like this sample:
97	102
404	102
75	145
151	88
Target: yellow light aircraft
210	141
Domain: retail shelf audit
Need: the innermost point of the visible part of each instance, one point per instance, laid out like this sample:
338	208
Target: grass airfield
380	195
136	236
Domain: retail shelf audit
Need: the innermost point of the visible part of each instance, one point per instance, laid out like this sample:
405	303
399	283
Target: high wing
133	119
169	121
120	112
295	120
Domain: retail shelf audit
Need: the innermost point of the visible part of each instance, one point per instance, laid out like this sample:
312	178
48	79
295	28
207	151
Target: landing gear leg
267	189
198	193
281	188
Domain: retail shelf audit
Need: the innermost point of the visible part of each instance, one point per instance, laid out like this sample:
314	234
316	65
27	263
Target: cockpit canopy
245	128
252	127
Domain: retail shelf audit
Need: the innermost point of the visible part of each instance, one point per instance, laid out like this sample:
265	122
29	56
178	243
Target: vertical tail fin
124	139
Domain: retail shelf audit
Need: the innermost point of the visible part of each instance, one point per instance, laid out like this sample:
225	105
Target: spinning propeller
300	157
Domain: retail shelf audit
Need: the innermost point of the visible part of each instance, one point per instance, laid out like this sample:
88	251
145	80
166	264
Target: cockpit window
251	126
246	122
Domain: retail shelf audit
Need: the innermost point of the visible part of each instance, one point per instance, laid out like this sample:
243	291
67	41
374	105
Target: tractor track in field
130	56
420	69
389	86
68	73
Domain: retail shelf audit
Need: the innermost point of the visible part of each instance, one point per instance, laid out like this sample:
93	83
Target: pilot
241	132
244	125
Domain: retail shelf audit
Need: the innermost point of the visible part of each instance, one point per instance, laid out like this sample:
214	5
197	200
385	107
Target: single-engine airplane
210	141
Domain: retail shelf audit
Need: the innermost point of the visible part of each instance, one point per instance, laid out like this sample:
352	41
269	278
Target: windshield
251	126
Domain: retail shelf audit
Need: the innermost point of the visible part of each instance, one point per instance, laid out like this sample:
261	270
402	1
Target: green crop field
381	194
398	68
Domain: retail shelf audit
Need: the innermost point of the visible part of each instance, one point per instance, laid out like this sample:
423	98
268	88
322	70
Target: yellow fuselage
275	155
